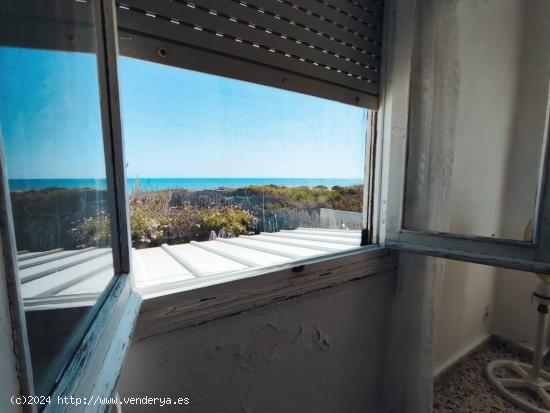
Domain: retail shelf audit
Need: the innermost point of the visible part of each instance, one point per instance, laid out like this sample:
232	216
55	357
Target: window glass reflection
53	143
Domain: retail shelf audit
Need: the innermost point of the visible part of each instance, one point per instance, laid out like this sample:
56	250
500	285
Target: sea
159	184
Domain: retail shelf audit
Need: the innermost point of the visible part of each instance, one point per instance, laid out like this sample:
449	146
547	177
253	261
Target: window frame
146	49
520	255
113	143
158	51
16	314
96	363
94	366
218	296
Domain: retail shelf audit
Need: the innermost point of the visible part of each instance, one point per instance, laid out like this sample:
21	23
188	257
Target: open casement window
466	128
327	49
72	303
61	62
258	54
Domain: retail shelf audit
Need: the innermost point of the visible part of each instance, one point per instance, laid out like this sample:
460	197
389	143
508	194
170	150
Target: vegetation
57	218
175	225
94	231
76	218
349	198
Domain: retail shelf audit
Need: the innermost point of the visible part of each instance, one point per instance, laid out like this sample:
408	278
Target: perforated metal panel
326	48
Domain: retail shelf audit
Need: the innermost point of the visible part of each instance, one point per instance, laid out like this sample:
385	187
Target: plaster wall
497	148
407	372
479	85
463	302
514	314
450	141
321	352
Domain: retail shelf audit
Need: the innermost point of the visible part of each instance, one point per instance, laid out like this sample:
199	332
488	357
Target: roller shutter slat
336	43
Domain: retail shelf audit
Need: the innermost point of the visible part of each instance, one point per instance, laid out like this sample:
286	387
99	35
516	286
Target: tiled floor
464	388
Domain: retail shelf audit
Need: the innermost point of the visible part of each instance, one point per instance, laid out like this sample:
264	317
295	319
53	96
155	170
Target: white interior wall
448	143
462	310
465	291
489	49
501	130
515	315
321	352
407	373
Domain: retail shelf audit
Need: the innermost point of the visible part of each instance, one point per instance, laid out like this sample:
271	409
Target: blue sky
177	123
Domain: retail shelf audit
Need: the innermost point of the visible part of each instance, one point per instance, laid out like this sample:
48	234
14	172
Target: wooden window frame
520	255
96	363
159	51
107	60
94	367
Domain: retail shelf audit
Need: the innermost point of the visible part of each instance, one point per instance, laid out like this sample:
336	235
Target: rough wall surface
497	152
408	368
321	352
479	86
463	310
515	316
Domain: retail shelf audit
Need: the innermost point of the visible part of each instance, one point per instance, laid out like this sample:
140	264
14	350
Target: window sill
200	300
175	298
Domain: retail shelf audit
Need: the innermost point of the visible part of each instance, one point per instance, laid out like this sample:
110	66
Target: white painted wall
515	315
489	50
322	352
463	307
456	156
499	131
407	373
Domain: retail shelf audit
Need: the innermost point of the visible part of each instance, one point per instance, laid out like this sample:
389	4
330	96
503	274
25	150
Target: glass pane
477	116
52	136
235	166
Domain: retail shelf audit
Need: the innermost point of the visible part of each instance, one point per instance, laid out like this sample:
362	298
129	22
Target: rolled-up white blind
325	48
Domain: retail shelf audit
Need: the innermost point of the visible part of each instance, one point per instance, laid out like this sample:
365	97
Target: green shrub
232	220
154	222
349	198
93	232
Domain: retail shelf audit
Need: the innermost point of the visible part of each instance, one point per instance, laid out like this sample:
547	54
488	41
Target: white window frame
521	255
204	299
97	361
95	366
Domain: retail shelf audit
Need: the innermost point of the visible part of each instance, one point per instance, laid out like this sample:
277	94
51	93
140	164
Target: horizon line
192	177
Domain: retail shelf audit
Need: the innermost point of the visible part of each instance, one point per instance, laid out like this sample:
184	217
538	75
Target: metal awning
57	278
